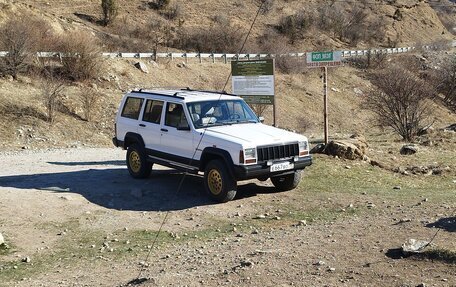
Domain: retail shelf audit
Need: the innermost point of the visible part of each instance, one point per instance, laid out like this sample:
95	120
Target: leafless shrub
273	43
82	59
159	4
259	109
295	26
266	6
173	11
401	101
110	10
350	26
216	38
16	39
445	79
52	88
370	61
89	99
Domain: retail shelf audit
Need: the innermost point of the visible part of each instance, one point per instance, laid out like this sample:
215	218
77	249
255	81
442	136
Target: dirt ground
83	221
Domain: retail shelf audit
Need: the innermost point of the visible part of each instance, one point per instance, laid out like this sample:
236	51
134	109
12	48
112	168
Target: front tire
287	182
137	162
219	184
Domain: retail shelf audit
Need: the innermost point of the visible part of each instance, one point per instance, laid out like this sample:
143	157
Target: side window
175	115
132	108
153	111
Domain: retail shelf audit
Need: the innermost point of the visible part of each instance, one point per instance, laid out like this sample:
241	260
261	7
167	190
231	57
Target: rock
246	263
181	65
421	285
335	90
142	67
331	269
379	164
358	91
397	187
319	148
409	149
414	246
302	223
2	240
320	263
450	128
370	205
26	260
344	149
261	216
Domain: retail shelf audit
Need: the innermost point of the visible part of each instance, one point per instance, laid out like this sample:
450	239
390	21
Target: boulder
141	66
2	240
409	149
344	149
319	148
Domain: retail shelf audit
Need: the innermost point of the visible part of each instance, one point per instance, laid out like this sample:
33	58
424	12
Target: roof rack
175	95
209	92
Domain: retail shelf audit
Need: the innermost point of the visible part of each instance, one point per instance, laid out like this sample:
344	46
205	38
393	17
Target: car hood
253	134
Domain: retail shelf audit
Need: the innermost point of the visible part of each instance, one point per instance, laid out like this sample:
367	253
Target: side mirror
261	119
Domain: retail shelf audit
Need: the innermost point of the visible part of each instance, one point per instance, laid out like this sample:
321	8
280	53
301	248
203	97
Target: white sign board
324	59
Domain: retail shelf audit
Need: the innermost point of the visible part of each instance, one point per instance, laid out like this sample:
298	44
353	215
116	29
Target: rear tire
137	162
287	182
218	182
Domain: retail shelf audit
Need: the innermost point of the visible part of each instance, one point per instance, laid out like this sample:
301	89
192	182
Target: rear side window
153	111
132	108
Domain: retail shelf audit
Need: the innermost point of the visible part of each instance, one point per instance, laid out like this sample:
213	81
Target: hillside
22	117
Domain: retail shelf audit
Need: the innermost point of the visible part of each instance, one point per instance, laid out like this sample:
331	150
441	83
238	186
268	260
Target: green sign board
254	80
324	59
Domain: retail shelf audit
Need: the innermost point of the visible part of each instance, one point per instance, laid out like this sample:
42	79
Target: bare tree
86	61
16	40
446	82
52	88
400	101
89	99
110	10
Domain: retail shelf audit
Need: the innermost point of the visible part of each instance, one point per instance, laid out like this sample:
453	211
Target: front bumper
263	170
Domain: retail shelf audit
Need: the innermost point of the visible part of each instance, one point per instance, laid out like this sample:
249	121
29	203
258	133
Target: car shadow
114	188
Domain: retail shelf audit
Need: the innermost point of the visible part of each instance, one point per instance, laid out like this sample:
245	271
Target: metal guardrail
225	57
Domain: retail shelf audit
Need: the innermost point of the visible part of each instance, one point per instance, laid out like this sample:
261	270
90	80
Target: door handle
142	125
164	130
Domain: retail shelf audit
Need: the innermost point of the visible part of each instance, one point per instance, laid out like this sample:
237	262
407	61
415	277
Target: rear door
149	124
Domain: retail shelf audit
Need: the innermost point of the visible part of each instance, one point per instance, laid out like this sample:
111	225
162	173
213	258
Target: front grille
277	152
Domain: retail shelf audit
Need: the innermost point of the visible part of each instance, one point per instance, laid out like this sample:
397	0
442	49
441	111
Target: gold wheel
135	161
214	181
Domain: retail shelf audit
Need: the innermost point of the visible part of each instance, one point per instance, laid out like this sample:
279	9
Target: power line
138	279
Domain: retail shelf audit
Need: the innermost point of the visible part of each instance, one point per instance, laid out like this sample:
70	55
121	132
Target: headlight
248	156
303	148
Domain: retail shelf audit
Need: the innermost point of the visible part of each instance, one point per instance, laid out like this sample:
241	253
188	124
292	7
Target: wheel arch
211	153
131	138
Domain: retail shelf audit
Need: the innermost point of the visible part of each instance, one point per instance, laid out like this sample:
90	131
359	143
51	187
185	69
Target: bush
82	59
16	39
220	37
89	99
295	26
110	11
446	82
52	88
174	11
159	4
350	26
400	101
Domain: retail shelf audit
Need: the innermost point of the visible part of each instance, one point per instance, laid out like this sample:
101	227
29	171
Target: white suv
210	132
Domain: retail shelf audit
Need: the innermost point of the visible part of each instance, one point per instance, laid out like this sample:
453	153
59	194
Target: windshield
221	112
